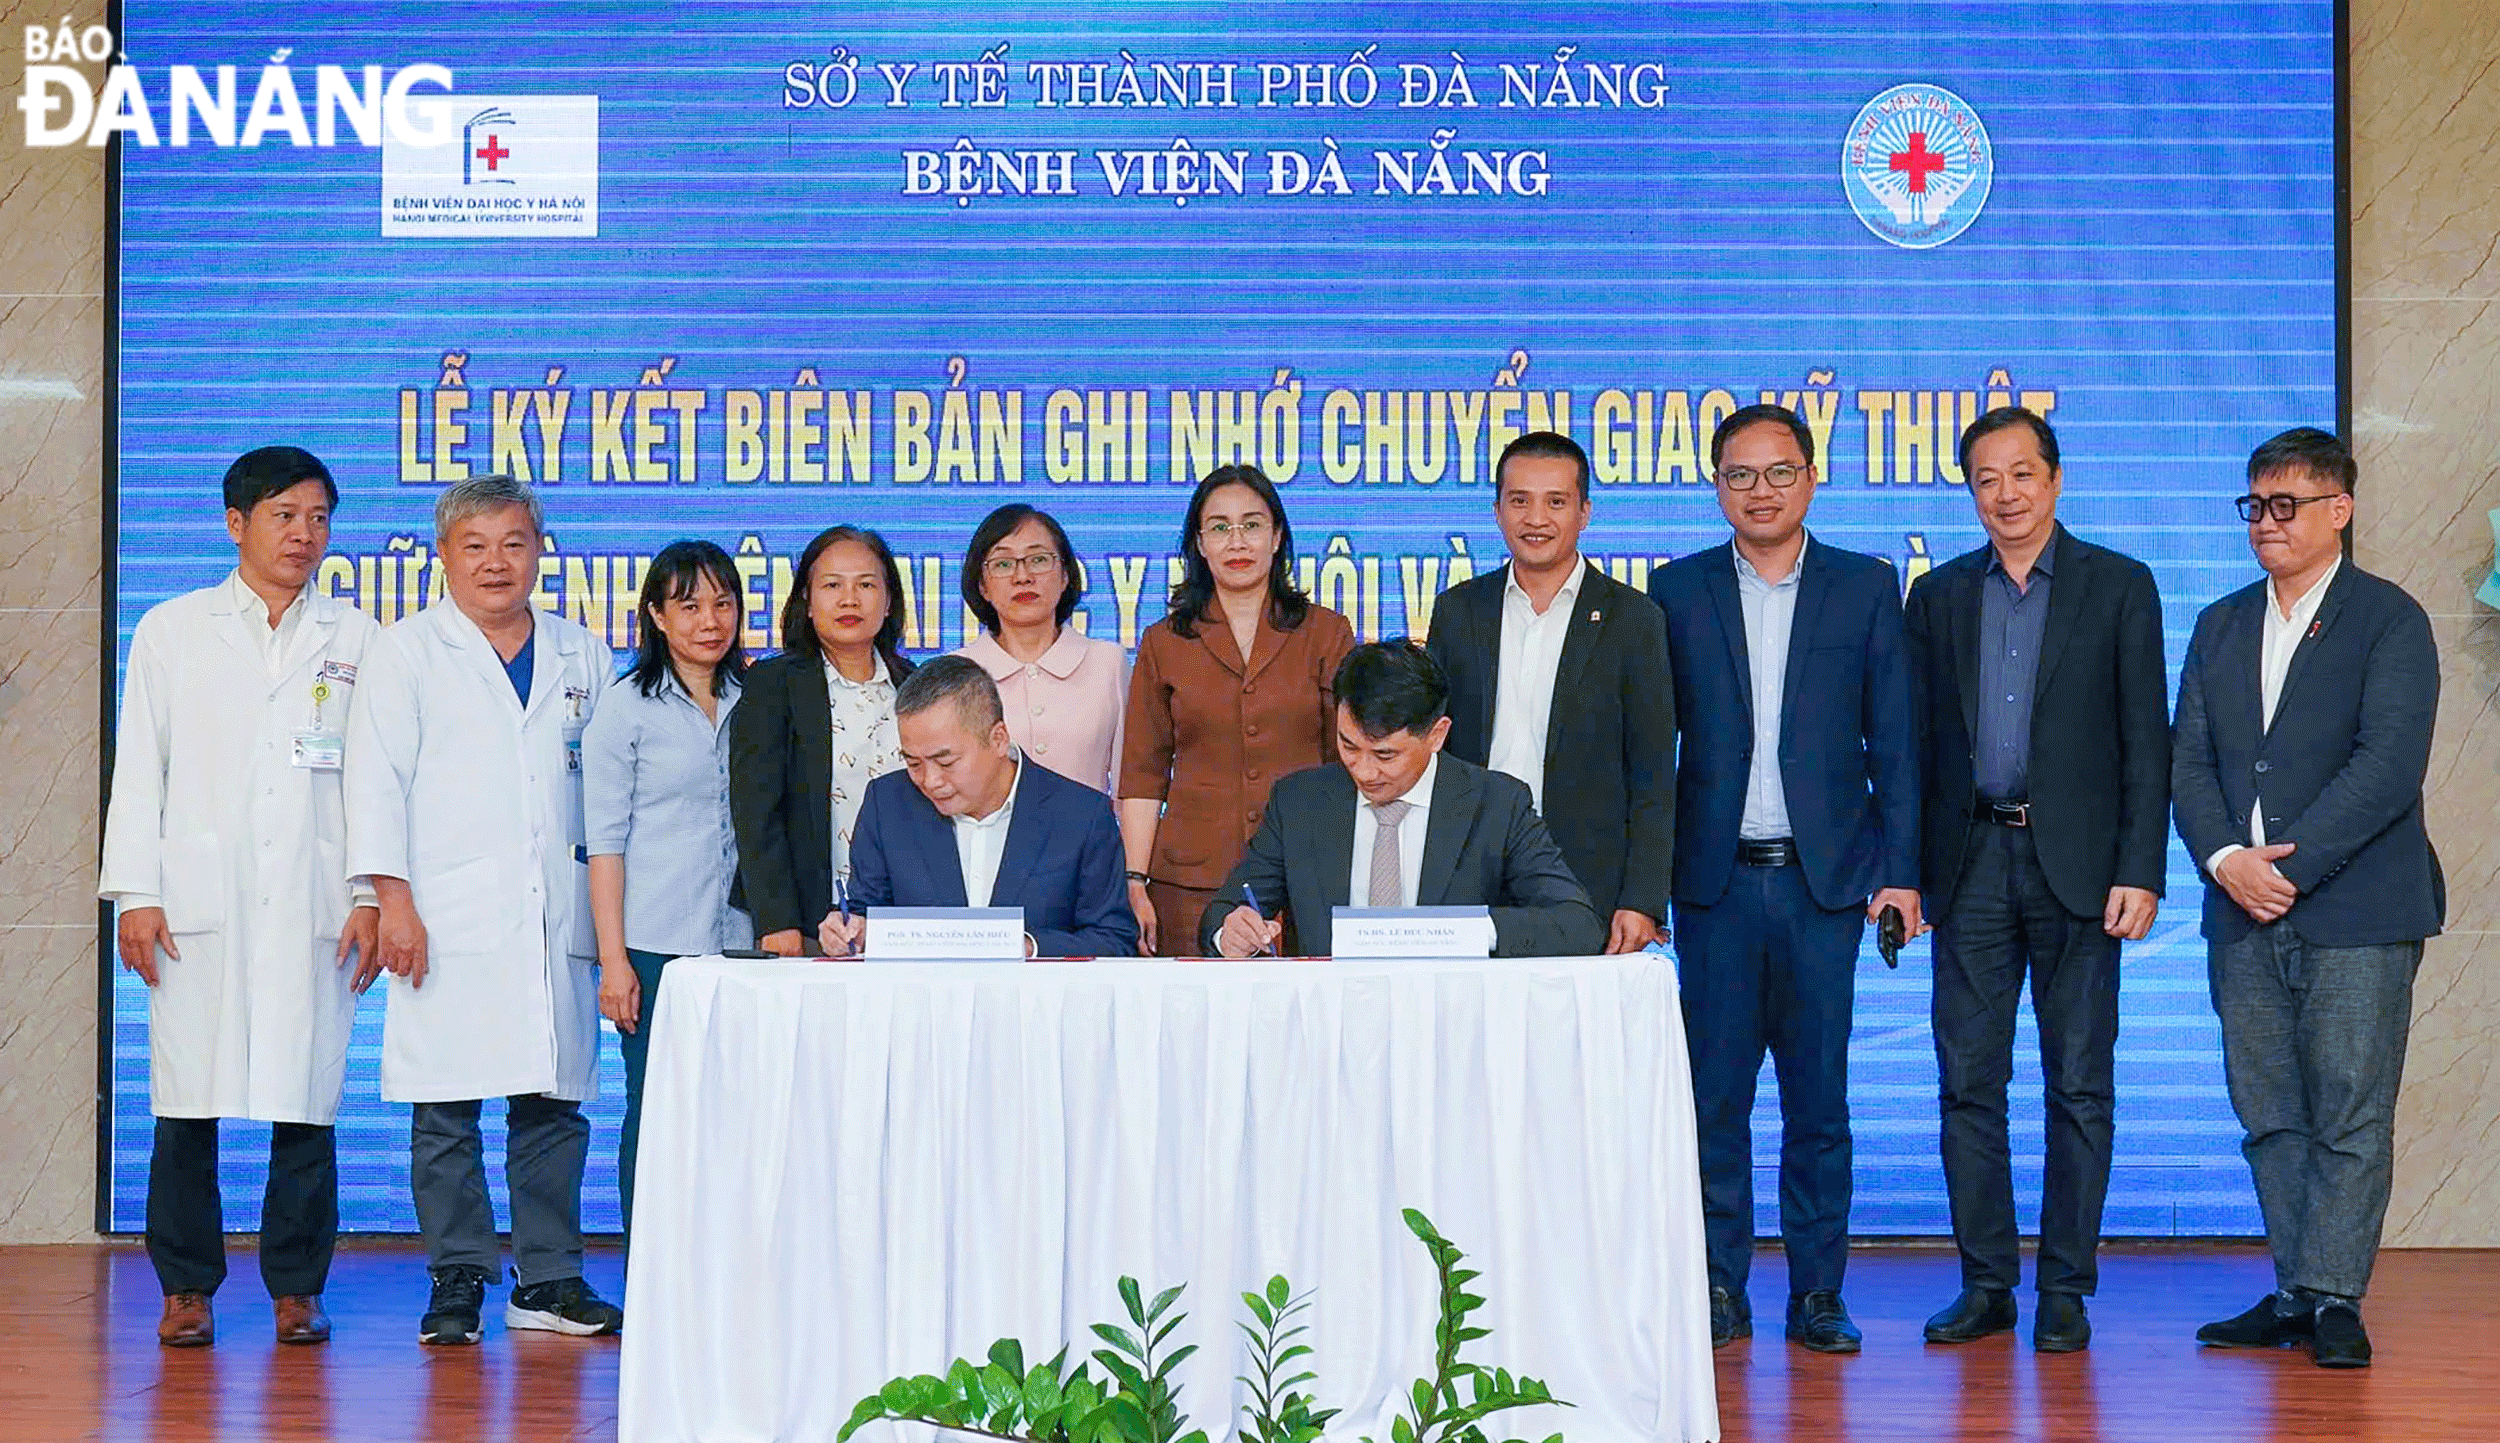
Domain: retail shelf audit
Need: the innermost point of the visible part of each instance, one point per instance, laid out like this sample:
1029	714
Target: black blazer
1610	739
1483	846
781	792
1061	861
2100	734
2340	771
1848	739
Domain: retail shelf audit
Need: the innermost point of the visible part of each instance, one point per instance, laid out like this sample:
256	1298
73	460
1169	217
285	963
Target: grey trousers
2313	1044
546	1142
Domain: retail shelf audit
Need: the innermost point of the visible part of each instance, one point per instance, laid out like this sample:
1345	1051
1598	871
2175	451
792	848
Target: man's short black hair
1392	686
952	680
1544	443
1993	421
2306	448
258	475
1743	416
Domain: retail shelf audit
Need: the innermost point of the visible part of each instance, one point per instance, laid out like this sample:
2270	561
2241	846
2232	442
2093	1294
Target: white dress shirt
981	841
273	639
1410	840
1770	614
1523	703
2274	664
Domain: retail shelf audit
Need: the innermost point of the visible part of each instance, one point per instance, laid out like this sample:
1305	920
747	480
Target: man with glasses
2046	751
1796	812
2303	735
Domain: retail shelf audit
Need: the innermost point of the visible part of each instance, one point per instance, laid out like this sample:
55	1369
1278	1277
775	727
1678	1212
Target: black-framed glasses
2279	506
1743	478
1037	565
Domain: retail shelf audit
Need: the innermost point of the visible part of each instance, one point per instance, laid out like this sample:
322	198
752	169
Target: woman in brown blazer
1230	692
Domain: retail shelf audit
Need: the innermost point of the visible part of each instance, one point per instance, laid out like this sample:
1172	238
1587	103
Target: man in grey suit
2303	734
1399	823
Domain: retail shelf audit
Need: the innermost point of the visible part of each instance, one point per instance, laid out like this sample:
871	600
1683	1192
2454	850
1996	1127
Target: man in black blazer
2303	736
1796	825
1397	822
2045	743
1558	676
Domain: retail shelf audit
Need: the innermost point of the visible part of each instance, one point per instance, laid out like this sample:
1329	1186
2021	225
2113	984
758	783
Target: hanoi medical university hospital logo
525	165
484	151
1917	165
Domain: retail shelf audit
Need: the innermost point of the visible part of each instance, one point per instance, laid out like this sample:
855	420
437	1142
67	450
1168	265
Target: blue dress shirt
655	790
2012	624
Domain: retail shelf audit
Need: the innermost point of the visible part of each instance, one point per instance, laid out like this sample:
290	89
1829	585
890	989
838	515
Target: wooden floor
78	1359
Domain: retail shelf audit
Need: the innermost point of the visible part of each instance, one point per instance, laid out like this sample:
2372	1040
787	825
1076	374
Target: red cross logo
493	151
1918	162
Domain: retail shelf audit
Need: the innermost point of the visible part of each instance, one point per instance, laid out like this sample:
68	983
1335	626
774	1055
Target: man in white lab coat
225	849
464	796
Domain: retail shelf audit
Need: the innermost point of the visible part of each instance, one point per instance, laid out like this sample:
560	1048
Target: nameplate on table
1412	932
945	934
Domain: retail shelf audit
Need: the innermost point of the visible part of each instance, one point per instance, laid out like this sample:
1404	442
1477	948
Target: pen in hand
1252	899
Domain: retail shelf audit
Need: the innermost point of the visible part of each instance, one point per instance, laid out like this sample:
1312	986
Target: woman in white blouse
1065	693
815	726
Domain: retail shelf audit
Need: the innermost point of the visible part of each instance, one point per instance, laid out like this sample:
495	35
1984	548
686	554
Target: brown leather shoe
301	1319
187	1322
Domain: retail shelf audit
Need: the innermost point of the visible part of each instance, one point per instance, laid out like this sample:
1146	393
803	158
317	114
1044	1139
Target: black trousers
2006	923
635	1048
299	1212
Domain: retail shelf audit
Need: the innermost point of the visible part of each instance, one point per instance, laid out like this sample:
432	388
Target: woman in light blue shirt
655	804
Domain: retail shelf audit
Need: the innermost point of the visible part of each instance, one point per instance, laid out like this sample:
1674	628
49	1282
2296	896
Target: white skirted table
856	1171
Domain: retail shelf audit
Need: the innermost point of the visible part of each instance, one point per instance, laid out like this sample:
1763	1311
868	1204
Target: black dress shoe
2060	1325
1977	1313
1819	1322
2263	1326
1731	1317
2337	1339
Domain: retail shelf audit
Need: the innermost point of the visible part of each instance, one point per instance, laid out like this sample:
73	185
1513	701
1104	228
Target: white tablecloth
855	1171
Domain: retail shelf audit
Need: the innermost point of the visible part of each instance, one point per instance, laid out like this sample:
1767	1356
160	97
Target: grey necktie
1387	890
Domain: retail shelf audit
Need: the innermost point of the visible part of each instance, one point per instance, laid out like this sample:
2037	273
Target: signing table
856	1171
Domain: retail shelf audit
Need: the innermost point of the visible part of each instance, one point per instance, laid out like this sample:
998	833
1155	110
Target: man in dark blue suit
970	822
2297	761
1796	798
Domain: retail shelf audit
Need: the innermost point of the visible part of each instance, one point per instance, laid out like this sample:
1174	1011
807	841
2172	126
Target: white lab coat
476	801
244	850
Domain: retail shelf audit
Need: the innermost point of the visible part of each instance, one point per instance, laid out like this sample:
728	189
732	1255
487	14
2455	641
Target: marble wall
2426	372
2426	367
51	570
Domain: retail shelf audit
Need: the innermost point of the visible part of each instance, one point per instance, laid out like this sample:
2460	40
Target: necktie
1387	889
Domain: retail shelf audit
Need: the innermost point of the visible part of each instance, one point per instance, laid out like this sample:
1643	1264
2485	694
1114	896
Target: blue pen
1253	899
842	899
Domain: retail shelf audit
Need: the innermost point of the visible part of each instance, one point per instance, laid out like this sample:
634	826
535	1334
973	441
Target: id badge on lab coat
319	751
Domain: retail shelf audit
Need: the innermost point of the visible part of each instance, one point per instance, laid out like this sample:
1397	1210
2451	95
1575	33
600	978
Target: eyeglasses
2279	506
1742	478
1007	568
1216	533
